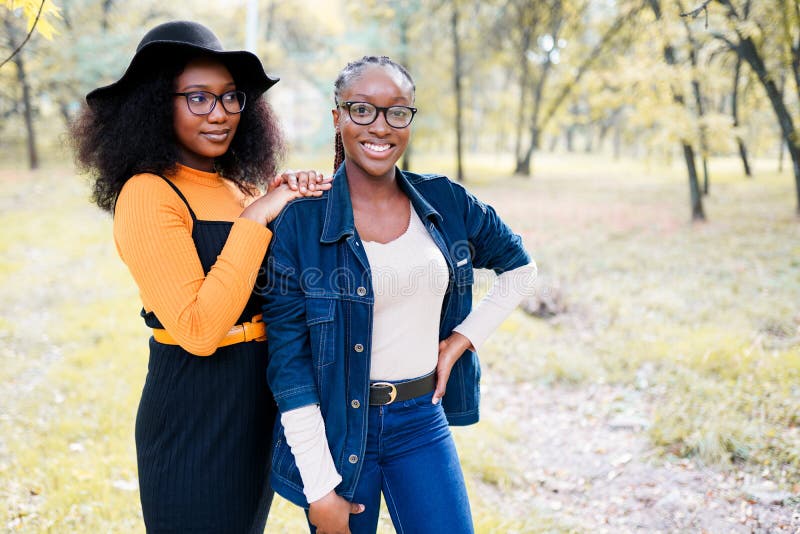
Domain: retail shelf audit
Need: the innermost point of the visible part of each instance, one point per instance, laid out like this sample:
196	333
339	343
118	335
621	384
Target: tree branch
567	88
696	11
27	37
733	46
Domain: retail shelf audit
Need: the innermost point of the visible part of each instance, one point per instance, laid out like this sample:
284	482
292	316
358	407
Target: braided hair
351	72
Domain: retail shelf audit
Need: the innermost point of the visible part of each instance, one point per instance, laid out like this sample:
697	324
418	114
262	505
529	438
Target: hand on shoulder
284	188
308	183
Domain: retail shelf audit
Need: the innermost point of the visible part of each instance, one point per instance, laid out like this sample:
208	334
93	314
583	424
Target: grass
704	317
708	312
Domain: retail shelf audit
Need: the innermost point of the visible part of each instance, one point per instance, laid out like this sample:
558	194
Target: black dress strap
175	188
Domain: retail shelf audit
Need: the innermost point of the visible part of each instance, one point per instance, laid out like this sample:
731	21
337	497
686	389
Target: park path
583	457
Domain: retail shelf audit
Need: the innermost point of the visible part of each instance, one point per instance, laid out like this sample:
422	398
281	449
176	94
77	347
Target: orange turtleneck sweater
153	235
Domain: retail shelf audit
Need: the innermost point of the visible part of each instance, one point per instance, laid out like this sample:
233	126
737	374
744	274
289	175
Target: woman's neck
374	190
194	161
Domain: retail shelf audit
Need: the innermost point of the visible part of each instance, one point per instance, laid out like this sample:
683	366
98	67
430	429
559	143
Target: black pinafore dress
204	425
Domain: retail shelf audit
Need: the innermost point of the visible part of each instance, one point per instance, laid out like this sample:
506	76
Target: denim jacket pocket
424	402
463	272
319	318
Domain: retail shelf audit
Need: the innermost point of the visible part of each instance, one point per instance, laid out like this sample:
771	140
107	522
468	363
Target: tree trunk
269	23
698	100
696	199
538	125
743	155
457	86
735	114
747	50
605	128
782	144
617	141
27	104
405	61
794	42
106	14
796	52
33	155
694	186
705	175
781	153
524	163
524	80
569	135
698	97
63	108
588	132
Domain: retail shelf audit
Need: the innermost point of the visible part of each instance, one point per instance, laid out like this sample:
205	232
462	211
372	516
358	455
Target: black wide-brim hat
183	38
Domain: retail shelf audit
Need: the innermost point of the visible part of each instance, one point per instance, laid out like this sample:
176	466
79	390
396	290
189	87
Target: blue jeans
412	459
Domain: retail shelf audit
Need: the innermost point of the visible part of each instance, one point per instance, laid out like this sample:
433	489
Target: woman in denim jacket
370	322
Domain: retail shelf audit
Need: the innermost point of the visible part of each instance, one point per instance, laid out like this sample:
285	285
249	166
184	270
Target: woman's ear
335	113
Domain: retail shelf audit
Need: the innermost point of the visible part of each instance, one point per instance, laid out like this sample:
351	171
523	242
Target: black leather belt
382	393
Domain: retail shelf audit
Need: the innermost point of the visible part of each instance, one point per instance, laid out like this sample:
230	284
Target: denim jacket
319	304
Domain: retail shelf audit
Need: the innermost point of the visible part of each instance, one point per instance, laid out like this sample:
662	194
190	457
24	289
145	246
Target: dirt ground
584	458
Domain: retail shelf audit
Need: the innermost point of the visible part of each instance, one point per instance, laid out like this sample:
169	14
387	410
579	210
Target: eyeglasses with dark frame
204	102
364	113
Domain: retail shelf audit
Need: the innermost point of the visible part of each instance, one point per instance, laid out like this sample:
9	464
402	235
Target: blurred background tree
20	19
497	78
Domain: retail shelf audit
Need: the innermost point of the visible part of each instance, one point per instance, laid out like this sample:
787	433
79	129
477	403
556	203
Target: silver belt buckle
392	390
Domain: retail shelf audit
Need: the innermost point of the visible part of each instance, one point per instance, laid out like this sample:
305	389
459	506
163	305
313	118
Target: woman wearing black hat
179	148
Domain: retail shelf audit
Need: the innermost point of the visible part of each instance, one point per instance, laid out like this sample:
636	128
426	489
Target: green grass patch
736	405
705	319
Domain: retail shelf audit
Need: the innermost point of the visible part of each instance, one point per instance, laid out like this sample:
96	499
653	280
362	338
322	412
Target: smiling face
201	138
374	149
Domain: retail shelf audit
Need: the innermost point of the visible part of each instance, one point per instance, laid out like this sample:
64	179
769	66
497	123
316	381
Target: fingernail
361	507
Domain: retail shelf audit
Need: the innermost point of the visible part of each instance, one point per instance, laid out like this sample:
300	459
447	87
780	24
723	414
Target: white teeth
377	148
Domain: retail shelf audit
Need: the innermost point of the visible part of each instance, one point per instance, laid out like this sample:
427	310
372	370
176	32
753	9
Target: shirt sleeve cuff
304	429
507	292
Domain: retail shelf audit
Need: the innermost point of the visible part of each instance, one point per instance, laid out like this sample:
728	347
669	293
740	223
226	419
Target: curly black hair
131	132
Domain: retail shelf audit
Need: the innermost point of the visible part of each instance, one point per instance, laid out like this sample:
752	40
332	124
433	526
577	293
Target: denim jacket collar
339	213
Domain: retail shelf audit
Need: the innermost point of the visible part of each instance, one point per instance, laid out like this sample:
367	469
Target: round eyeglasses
364	113
203	102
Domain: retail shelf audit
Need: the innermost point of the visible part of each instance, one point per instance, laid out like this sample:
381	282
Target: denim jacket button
358	347
355	404
361	291
353	459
